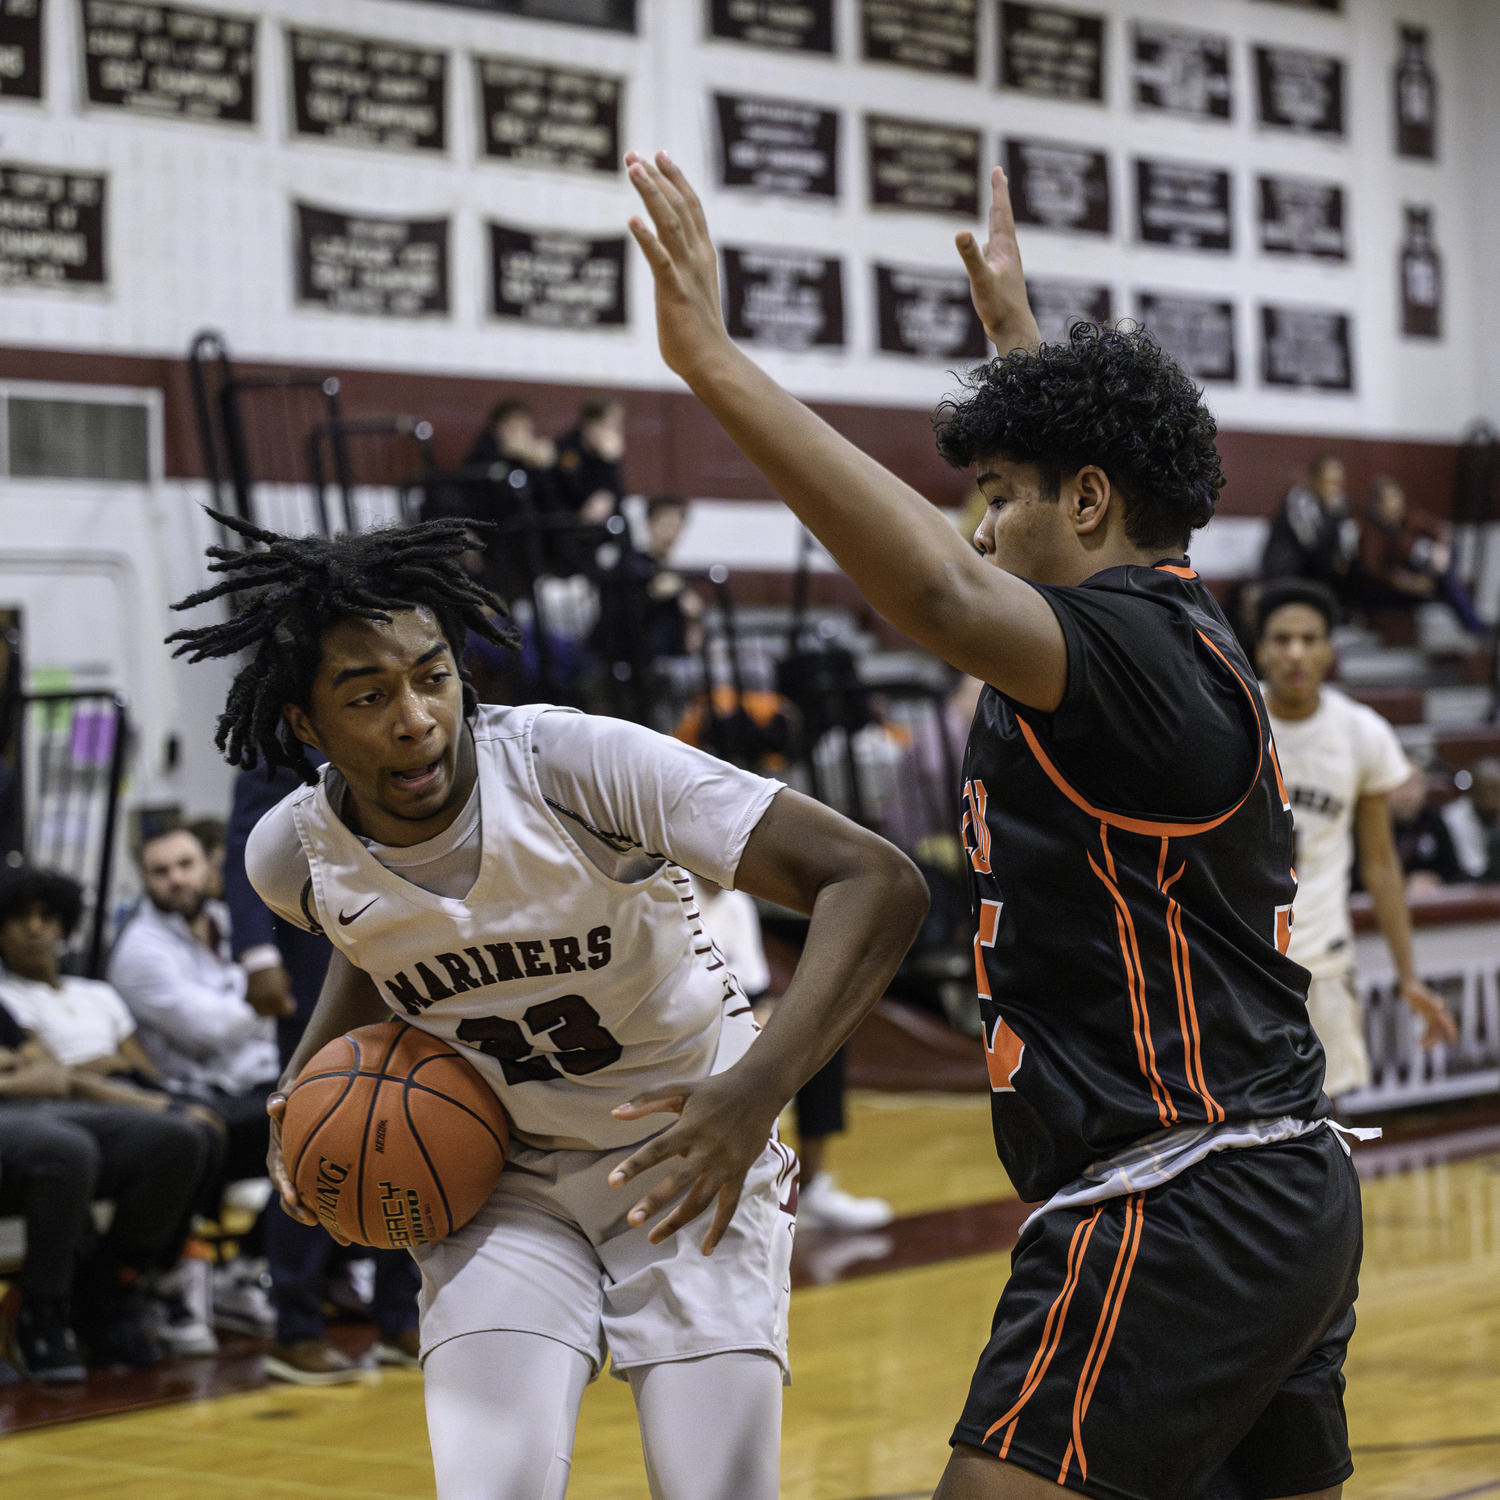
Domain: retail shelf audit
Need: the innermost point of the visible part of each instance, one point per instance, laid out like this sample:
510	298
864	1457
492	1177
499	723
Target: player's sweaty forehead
355	649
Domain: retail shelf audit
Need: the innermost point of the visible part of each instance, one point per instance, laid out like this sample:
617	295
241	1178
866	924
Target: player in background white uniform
1340	761
512	880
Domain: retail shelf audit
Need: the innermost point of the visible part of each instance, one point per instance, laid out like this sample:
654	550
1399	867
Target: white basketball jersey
571	992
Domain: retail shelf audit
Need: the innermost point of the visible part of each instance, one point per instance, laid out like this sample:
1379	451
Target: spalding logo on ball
392	1138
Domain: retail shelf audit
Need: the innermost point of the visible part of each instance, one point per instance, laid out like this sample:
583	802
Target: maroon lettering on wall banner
1306	347
1058	185
51	226
806	26
928	314
557	278
535	114
360	91
1300	91
1421	278
170	61
778	146
1181	72
922	167
1198	332
369	264
1051	52
1416	96
1182	204
1302	217
21	49
937	36
1058	304
793	299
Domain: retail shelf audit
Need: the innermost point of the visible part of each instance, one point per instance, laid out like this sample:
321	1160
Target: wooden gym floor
885	1329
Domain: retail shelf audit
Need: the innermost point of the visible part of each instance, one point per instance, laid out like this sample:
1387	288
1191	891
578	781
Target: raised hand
1438	1023
689	325
995	278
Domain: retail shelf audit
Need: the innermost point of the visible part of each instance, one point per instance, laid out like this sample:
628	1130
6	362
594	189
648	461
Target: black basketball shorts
1185	1343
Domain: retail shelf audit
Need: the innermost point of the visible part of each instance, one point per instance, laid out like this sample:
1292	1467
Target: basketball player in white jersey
1341	761
514	881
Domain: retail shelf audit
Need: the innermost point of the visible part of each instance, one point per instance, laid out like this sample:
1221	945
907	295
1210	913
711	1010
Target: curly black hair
58	895
290	590
1111	397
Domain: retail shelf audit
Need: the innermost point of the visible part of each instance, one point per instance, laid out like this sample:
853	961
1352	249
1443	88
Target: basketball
392	1138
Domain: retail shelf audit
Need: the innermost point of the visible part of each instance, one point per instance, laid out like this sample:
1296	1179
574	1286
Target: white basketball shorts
1338	1018
551	1253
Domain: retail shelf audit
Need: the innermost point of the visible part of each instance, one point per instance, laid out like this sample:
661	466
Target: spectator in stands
213	1042
1406	557
731	920
210	834
1474	821
282	960
588	460
673	619
68	1133
1424	843
1340	761
1315	533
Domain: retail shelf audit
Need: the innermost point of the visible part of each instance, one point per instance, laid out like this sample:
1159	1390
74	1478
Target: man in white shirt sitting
213	1043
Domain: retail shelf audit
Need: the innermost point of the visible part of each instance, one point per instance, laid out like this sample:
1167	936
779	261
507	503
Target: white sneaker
822	1204
175	1306
242	1298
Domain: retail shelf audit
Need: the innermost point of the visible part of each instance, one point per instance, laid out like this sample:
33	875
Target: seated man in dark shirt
587	474
1315	533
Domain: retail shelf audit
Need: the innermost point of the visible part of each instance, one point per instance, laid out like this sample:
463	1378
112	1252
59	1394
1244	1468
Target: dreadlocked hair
288	591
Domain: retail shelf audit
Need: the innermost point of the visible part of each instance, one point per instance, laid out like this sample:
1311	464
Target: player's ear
1089	495
302	725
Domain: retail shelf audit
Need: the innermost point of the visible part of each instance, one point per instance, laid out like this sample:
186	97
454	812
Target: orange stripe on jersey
1130	1242
1187	1008
1010	1432
1057	1315
1175	571
1152	828
1067	1463
979	801
1286	802
1135	981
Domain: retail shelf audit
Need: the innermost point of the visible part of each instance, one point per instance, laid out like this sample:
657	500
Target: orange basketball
392	1138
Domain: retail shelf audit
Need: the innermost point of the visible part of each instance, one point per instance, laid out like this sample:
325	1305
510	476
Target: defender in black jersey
1175	1322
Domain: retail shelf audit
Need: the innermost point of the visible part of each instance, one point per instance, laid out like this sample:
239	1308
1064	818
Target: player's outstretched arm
866	901
347	1000
899	550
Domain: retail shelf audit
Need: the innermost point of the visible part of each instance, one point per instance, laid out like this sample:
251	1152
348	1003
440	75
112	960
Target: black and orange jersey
1131	870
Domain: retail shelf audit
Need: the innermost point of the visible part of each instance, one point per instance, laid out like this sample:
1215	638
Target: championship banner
1051	52
1416	96
539	115
360	91
937	36
1421	278
1058	186
1306	347
927	314
51	226
804	27
1180	72
922	167
170	61
1301	91
608	15
792	299
1328	5
21	49
1198	332
367	264
1301	217
778	146
1057	305
1183	205
556	278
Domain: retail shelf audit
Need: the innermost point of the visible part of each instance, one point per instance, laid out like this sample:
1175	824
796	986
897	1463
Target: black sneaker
47	1344
112	1314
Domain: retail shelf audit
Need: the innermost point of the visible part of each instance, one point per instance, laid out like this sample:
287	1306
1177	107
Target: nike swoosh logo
345	921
